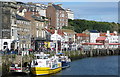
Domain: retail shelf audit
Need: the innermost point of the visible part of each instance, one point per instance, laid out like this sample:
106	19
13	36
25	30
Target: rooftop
18	17
104	34
82	35
101	38
60	32
57	7
94	31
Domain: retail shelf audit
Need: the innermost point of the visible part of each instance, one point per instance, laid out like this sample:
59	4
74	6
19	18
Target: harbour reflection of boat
43	64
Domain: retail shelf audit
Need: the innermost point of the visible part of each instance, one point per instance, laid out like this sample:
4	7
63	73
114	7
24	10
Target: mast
56	42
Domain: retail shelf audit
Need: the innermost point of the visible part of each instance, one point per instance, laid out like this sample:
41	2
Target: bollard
91	52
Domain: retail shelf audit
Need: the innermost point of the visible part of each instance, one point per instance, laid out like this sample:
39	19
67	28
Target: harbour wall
74	55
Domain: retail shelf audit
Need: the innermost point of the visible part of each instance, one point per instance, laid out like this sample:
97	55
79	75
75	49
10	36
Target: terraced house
23	32
57	15
7	24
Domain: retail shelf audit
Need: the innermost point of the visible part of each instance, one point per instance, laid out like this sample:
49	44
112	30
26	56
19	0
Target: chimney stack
115	32
59	5
108	32
50	4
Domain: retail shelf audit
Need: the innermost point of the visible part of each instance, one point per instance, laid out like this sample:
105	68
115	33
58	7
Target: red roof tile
60	32
100	38
104	34
92	43
114	43
82	35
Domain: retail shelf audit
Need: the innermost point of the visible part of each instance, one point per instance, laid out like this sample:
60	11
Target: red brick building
57	16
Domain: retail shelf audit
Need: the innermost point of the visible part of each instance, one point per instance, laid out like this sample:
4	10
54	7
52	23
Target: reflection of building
23	32
7	24
57	15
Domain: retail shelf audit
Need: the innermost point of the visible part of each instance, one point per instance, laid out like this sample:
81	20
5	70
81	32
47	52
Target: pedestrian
16	51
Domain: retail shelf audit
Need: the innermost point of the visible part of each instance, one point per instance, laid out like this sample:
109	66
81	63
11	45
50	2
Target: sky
69	0
97	10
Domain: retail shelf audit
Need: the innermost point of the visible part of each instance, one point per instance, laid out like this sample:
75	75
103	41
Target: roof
104	34
92	43
18	17
94	31
68	31
100	43
101	38
82	35
20	9
57	7
114	43
60	32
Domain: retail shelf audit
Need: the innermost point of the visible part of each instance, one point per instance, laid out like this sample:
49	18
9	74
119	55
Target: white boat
15	68
43	64
64	60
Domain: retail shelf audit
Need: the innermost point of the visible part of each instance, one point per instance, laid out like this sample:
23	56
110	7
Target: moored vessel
43	64
65	60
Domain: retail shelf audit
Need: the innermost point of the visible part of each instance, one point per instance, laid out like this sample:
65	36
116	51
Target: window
12	32
5	43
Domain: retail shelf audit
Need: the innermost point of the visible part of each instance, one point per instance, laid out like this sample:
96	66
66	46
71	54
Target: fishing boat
43	64
64	60
15	68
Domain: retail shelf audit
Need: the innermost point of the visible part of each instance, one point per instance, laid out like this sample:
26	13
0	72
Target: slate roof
94	31
18	17
57	7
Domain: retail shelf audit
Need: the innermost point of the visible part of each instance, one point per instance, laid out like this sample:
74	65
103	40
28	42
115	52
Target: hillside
79	26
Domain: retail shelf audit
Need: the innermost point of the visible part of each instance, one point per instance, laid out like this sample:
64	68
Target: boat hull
44	70
65	64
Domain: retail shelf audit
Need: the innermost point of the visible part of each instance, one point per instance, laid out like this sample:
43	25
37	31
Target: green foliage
79	26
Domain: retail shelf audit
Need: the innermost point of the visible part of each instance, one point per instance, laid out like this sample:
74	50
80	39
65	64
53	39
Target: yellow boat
44	65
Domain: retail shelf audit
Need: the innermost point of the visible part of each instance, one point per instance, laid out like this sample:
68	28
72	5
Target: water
92	66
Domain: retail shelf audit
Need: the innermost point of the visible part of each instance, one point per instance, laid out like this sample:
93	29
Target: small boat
64	60
15	68
43	64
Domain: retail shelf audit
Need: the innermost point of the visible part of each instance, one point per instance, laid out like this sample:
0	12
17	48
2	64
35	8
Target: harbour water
93	66
107	65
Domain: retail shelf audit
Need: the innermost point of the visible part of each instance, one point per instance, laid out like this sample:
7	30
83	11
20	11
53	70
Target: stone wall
0	65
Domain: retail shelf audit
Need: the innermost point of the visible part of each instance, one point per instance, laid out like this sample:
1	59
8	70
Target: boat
15	68
43	64
64	60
